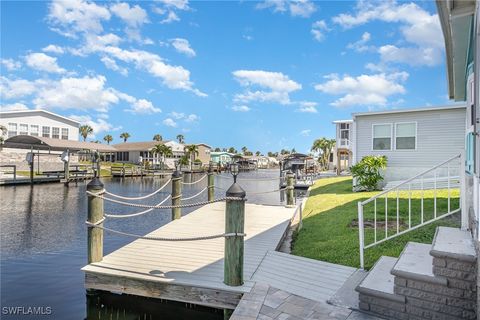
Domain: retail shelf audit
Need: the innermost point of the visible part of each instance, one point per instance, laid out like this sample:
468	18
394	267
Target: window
34	130
12	129
406	136
469	154
382	137
56	133
23	129
64	133
46	132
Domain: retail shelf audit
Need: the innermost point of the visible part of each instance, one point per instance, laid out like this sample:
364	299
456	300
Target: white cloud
168	8
364	89
183	46
143	106
112	65
177	4
177	115
11	65
418	27
305	132
192	118
362	44
241	108
308	107
13	107
296	8
279	86
70	16
13	89
99	125
318	30
42	62
134	16
169	122
51	48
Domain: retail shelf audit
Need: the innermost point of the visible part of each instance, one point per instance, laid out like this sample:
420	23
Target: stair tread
379	281
416	263
453	243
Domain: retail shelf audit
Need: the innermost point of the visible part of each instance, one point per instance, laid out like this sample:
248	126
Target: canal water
43	246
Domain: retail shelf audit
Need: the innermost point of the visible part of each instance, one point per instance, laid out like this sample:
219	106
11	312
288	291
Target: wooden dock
191	271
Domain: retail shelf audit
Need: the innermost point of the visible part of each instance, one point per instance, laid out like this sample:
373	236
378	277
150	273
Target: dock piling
290	189
176	194
234	246
211	190
95	216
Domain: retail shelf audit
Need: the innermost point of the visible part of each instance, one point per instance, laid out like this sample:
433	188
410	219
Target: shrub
367	172
197	161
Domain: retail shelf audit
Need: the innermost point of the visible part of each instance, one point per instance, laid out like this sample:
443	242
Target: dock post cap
236	191
95	184
176	174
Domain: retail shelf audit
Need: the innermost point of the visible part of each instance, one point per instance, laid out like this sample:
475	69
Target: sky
267	75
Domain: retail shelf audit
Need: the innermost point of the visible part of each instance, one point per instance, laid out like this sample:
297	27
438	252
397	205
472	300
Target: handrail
409	180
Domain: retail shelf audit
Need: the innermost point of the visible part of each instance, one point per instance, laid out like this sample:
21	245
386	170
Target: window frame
57	134
10	125
20	132
49	132
416	135
62	131
34	133
391	135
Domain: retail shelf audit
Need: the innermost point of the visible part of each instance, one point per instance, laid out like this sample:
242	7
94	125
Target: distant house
343	155
412	139
204	153
221	157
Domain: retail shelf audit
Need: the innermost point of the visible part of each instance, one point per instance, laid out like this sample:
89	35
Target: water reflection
43	236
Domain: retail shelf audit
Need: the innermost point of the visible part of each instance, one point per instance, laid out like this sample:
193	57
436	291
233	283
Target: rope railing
239	179
195	182
141	197
258	193
137	205
131	235
195	195
120	216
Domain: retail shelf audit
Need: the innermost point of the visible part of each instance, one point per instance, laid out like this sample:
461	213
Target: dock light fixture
177	165
234	171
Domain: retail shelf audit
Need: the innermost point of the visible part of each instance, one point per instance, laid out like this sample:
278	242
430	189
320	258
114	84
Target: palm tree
217	149
125	136
192	151
180	138
157	137
324	146
244	150
257	153
232	150
85	131
108	138
163	151
183	161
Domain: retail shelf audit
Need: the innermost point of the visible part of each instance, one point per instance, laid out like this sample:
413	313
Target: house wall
203	154
440	135
41	119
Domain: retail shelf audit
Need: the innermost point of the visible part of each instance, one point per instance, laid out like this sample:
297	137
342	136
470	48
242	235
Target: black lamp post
234	171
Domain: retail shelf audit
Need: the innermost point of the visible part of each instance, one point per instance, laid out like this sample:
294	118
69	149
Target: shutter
469	154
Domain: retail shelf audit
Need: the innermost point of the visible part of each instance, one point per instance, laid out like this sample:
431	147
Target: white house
412	139
39	123
342	156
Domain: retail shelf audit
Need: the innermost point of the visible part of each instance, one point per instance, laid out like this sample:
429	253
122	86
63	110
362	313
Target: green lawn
328	233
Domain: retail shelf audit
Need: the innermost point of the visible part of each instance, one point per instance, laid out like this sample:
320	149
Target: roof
137	146
38	111
342	121
26	142
200	144
216	153
440	108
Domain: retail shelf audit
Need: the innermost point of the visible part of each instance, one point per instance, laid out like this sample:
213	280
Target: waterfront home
35	123
342	155
221	158
412	139
204	153
437	281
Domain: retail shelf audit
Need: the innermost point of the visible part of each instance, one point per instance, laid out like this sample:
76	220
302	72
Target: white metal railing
448	175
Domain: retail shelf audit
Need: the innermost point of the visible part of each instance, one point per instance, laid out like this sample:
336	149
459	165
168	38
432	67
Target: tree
85	131
125	136
163	151
217	149
180	138
192	151
232	150
367	172
284	152
157	137
294	151
324	146
108	138
183	161
244	150
257	153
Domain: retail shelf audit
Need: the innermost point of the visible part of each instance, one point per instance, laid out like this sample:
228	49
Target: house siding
440	135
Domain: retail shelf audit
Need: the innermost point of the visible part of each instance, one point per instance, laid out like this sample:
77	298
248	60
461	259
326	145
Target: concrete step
415	262
453	243
379	282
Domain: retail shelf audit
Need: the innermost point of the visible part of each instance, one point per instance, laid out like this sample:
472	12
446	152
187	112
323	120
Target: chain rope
138	198
137	205
118	216
195	182
196	195
220	235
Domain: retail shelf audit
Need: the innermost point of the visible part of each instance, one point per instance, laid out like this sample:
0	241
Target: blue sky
266	75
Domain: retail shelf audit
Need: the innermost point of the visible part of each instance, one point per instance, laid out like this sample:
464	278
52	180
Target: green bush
367	172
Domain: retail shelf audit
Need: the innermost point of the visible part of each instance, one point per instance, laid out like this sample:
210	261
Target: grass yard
330	232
